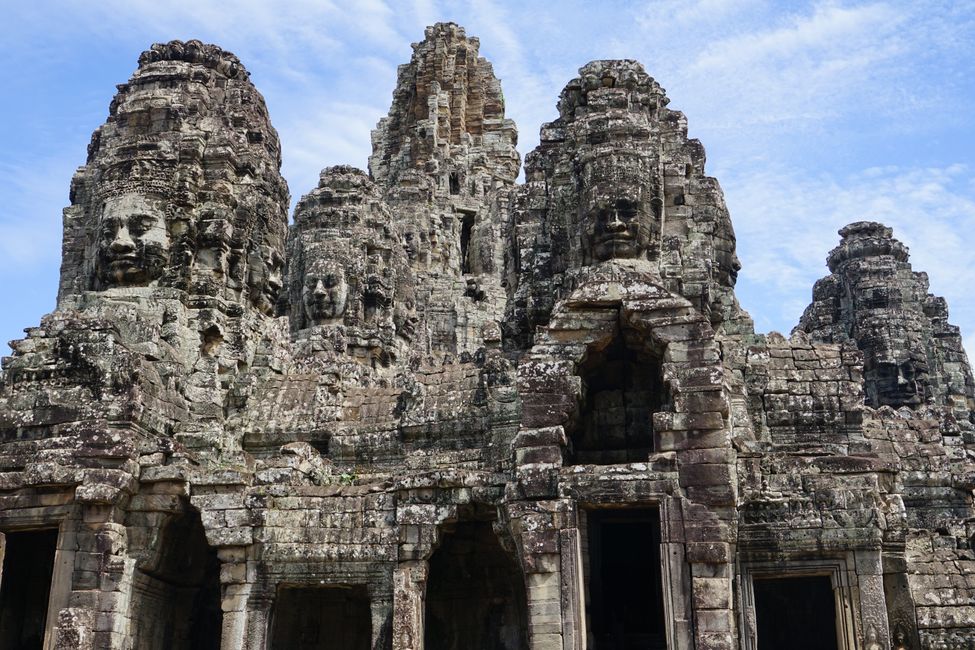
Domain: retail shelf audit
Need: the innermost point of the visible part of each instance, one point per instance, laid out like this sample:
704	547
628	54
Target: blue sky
813	114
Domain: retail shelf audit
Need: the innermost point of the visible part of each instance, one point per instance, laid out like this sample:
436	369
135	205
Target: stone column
873	602
102	581
381	609
409	591
675	572
258	619
545	590
235	592
573	590
60	593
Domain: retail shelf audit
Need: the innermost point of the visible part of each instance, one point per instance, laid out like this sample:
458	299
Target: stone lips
435	357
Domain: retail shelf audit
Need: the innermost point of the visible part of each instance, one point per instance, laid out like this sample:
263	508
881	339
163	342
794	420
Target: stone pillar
678	613
553	600
61	579
573	590
258	619
102	581
381	609
873	602
409	591
544	609
235	591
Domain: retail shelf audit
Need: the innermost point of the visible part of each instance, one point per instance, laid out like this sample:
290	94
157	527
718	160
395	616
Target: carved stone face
411	243
264	277
406	319
133	243
325	292
618	225
619	220
892	383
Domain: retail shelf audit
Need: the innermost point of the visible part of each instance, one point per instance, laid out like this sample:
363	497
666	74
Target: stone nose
614	223
122	242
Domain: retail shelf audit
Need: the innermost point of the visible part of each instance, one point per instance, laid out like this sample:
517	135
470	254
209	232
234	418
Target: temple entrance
623	387
322	618
25	587
176	597
475	594
624	591
798	613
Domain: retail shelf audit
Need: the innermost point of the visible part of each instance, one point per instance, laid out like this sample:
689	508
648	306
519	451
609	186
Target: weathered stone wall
243	432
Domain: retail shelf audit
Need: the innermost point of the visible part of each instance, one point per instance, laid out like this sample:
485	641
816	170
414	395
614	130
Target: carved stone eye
626	209
140	224
109	228
330	280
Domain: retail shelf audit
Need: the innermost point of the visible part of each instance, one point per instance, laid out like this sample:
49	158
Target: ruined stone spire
444	160
348	275
615	176
447	105
912	355
182	186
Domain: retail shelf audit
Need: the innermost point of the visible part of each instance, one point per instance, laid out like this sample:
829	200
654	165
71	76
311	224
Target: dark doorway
466	228
623	389
28	566
795	613
322	618
176	595
475	594
626	608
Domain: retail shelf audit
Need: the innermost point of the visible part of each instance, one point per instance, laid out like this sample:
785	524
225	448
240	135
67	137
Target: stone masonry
445	409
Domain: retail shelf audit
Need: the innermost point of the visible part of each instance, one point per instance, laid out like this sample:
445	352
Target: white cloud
30	223
786	224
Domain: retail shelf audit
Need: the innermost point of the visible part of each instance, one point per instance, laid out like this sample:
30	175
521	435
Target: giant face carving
324	293
894	375
616	227
132	248
264	267
889	383
620	219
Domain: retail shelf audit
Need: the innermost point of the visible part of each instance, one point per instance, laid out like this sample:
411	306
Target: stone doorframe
421	526
64	519
626	298
842	577
675	574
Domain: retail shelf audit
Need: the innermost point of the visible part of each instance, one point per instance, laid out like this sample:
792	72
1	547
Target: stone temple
445	409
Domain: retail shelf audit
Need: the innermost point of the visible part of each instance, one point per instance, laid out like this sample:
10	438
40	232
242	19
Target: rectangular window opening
335	617
624	588
28	567
798	613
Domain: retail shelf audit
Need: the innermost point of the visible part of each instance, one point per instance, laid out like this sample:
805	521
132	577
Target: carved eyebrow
144	221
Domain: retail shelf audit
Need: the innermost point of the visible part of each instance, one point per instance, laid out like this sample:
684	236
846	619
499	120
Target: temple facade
447	410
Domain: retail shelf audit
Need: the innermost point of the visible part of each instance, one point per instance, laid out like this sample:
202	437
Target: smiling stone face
325	292
616	228
132	245
618	219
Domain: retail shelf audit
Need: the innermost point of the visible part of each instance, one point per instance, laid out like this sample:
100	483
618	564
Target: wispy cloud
814	113
786	224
